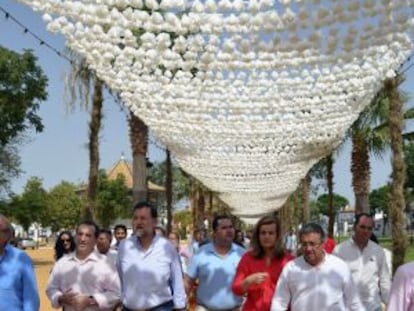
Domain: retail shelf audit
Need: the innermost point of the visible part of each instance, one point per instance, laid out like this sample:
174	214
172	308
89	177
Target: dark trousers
166	306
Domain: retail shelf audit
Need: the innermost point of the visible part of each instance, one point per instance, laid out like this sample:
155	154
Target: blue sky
60	153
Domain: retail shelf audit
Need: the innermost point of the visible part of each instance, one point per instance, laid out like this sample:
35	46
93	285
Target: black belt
125	308
212	309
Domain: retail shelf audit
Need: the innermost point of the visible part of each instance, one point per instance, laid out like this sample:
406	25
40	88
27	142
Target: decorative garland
247	95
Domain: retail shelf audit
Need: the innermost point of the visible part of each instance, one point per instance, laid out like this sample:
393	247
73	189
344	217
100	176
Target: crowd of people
149	271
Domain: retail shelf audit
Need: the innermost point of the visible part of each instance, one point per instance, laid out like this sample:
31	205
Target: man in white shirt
149	267
368	264
84	280
316	281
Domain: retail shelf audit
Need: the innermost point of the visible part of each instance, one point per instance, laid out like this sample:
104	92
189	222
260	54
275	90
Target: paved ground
43	262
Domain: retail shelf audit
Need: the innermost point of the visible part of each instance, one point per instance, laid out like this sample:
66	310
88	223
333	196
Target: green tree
379	201
183	219
322	203
64	206
9	165
31	205
409	162
180	185
113	200
22	89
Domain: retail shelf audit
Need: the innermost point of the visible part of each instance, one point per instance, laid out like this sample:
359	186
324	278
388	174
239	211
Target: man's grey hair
312	228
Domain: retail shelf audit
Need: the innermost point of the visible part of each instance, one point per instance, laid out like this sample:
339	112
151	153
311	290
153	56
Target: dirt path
43	262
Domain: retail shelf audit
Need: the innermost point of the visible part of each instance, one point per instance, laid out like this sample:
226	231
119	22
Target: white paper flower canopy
248	95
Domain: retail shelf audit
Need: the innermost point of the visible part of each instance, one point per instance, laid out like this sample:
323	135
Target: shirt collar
94	256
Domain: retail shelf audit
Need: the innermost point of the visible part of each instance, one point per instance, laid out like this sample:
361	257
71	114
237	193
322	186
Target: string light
42	42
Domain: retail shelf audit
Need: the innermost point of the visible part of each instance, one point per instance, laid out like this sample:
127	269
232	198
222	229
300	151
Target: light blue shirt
18	288
150	277
215	275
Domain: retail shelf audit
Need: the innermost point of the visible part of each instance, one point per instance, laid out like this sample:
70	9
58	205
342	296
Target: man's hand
81	302
66	298
77	301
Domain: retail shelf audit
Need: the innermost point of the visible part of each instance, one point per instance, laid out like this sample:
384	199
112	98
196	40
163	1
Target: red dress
259	296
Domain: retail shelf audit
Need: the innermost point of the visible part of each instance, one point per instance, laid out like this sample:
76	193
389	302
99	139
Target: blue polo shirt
18	288
215	276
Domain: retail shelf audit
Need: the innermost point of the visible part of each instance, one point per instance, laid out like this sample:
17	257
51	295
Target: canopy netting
247	95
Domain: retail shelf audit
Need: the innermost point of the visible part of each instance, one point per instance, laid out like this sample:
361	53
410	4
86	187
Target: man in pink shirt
402	289
84	280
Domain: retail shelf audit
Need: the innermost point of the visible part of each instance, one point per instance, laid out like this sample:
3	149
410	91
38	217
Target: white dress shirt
94	276
369	270
150	277
327	286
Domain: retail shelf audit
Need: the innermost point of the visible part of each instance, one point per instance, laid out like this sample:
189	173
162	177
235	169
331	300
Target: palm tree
399	236
138	135
370	133
329	181
78	83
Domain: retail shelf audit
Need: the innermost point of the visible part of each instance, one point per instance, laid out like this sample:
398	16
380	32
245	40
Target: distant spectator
239	238
184	255
160	231
198	239
103	245
65	244
290	242
120	233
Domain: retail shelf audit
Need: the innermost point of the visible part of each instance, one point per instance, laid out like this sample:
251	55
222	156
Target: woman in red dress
259	268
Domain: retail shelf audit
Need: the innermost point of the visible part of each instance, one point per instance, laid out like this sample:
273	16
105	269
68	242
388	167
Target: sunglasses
65	240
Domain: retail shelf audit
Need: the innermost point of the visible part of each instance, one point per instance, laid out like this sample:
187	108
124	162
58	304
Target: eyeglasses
309	244
64	240
365	227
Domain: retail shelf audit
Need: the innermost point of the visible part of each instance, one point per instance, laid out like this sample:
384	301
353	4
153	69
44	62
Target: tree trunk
168	190
330	184
201	206
360	169
193	202
306	190
94	128
138	134
398	230
210	208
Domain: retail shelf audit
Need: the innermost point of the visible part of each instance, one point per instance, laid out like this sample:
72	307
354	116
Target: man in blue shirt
18	288
149	267
214	266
